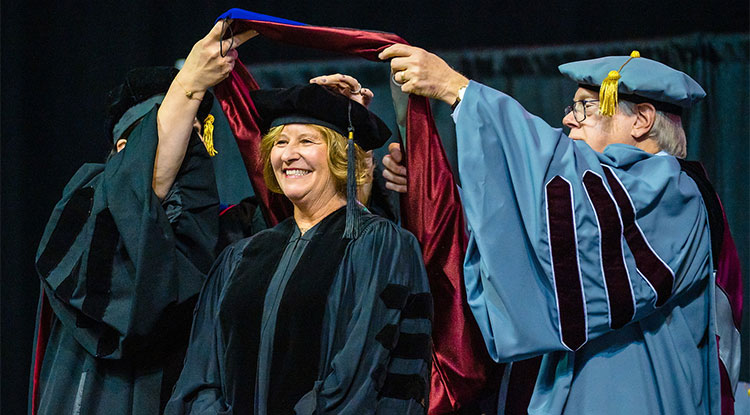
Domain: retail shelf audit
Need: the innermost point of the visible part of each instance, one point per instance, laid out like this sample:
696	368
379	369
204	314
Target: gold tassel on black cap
208	135
353	212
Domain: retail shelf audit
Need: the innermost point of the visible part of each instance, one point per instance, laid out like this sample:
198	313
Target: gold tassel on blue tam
608	90
642	79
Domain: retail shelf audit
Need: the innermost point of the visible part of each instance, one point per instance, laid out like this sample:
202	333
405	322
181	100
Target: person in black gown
330	310
128	246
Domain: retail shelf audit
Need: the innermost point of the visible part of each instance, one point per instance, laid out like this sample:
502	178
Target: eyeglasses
579	108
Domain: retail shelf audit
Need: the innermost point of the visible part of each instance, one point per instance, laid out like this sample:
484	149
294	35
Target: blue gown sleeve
378	325
200	389
567	244
118	264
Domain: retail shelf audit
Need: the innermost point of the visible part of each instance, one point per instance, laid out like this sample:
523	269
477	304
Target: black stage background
60	58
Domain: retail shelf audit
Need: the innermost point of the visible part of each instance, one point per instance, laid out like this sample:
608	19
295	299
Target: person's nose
290	153
570	121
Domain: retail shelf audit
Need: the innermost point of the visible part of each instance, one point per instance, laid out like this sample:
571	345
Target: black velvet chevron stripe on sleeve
99	265
72	218
401	378
418	306
394	296
400	386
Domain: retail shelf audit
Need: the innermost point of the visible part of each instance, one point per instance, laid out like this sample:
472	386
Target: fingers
216	33
327	79
394	173
411	86
394	150
207	64
396	50
352	83
320	80
394	179
229	67
227	45
423	73
340	82
231	55
400	77
367	96
347	86
391	176
395	187
225	65
244	37
235	41
400	64
391	184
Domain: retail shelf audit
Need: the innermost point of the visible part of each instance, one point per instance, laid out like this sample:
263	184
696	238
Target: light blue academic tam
636	77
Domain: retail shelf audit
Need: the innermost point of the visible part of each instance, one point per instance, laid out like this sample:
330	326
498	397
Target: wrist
451	97
459	97
189	87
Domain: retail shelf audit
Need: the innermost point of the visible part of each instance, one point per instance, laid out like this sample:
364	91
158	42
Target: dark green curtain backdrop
718	129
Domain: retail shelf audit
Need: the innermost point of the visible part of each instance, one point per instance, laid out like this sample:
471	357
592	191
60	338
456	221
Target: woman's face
300	163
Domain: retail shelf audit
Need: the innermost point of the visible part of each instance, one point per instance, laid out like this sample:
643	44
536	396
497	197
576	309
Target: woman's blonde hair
336	158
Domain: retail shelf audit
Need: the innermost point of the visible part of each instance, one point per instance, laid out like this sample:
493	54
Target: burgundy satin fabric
462	370
362	43
234	96
729	280
233	93
729	274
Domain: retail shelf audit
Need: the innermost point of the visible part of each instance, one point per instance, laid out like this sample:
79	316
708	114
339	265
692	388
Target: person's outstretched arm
204	67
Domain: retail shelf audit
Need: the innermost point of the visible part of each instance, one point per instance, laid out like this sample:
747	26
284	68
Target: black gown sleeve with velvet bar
121	270
352	331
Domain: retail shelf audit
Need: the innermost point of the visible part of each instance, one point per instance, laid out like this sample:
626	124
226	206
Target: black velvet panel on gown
296	356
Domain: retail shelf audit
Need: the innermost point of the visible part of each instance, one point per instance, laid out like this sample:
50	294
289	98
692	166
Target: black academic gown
351	335
121	270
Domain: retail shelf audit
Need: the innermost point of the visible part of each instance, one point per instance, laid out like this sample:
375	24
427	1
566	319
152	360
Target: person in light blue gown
591	250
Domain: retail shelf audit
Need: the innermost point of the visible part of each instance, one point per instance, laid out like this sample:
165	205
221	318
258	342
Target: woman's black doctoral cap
137	95
315	104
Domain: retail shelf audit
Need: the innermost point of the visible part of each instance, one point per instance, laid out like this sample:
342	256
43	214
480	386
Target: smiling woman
330	310
298	159
300	144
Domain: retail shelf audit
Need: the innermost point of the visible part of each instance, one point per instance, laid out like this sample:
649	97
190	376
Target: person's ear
645	115
120	144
